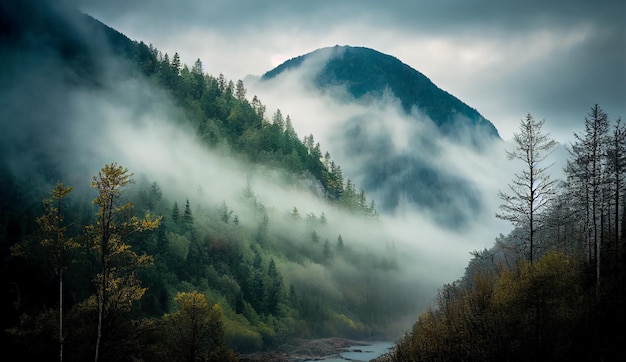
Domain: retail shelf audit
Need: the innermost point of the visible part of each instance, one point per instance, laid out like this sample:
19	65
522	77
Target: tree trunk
61	314
100	308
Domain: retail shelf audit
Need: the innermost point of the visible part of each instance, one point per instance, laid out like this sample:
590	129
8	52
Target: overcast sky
554	59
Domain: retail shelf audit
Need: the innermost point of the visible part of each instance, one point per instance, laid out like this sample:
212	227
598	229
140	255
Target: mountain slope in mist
390	130
367	74
79	95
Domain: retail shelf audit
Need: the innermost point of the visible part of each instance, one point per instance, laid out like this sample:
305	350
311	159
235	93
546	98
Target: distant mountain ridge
369	73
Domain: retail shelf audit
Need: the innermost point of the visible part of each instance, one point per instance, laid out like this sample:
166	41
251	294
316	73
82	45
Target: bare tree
531	189
588	172
616	155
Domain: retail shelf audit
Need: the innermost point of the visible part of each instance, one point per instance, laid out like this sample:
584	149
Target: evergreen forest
118	268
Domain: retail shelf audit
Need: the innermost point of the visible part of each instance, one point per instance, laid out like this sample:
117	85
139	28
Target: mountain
367	74
394	147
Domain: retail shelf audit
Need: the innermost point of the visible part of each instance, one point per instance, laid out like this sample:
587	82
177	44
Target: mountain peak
369	73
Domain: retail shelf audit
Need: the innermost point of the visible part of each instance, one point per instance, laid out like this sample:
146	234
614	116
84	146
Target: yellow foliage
191	302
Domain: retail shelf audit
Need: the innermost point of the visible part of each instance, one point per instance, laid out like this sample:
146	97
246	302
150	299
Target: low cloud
435	251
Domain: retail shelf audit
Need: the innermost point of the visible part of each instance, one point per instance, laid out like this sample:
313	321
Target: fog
131	122
330	116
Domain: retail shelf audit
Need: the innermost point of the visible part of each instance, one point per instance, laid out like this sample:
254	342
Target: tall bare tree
616	155
588	172
532	189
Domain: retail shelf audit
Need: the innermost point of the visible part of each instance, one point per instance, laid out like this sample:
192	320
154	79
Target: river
359	352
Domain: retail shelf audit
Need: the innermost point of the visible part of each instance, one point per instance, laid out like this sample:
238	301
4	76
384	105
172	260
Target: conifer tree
240	91
274	288
187	216
197	68
277	119
340	242
176	64
327	252
175	212
290	132
258	107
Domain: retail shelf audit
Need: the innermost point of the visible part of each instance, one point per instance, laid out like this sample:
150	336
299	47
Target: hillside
220	204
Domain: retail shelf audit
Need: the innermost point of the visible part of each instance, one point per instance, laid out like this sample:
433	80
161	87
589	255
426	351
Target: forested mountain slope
220	207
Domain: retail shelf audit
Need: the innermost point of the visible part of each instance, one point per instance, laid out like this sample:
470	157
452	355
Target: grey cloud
239	38
450	14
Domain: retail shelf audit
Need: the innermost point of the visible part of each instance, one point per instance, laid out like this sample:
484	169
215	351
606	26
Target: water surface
361	352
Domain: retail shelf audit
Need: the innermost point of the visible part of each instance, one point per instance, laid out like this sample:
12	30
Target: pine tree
339	242
274	288
315	237
176	65
187	216
197	68
258	107
175	212
221	82
327	252
240	91
277	119
290	132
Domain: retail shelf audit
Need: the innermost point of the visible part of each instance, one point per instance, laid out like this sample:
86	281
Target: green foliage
221	114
